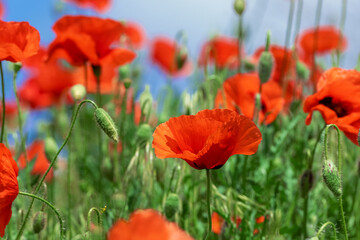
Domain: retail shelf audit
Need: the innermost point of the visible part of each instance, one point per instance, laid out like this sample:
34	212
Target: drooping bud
181	57
331	177
146	102
306	182
239	6
51	148
127	83
172	205
106	123
17	66
39	222
78	92
144	133
302	71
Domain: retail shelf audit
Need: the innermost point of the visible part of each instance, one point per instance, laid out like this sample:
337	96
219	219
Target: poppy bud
39	222
265	66
106	123
146	102
124	71
181	57
144	133
239	6
331	177
78	92
172	205
51	147
127	83
17	66
306	182
302	71
96	70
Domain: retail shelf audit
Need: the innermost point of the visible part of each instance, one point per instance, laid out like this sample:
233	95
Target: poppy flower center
336	107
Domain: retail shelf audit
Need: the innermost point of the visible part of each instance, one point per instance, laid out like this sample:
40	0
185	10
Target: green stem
208	198
3	102
51	165
22	139
339	168
324	226
240	41
49	205
98	215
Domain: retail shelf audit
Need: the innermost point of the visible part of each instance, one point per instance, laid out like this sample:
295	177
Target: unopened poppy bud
124	71
306	182
127	83
39	222
172	205
239	6
78	92
181	57
51	147
96	70
106	123
146	102
17	66
144	133
302	71
265	66
331	177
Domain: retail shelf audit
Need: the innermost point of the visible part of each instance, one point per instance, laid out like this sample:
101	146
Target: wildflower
37	150
146	225
217	223
206	140
134	35
18	40
9	187
167	55
337	99
223	51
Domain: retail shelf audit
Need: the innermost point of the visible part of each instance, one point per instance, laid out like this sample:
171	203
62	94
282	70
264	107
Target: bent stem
208	198
3	103
98	215
324	226
52	164
339	168
50	206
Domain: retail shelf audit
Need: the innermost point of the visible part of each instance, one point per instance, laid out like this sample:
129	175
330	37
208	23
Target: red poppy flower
223	51
81	39
9	187
18	40
99	5
167	55
240	91
321	41
37	150
134	35
260	219
337	99
217	223
146	225
207	139
282	56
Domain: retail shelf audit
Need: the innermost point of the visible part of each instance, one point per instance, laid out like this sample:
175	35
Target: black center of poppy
336	107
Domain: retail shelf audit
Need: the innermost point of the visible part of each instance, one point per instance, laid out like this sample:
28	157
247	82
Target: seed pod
172	205
265	66
306	182
39	222
78	92
51	147
17	66
239	6
302	71
106	123
331	177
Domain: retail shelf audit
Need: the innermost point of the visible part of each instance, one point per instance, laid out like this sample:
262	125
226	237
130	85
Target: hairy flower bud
106	123
331	177
239	6
39	222
172	205
265	66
